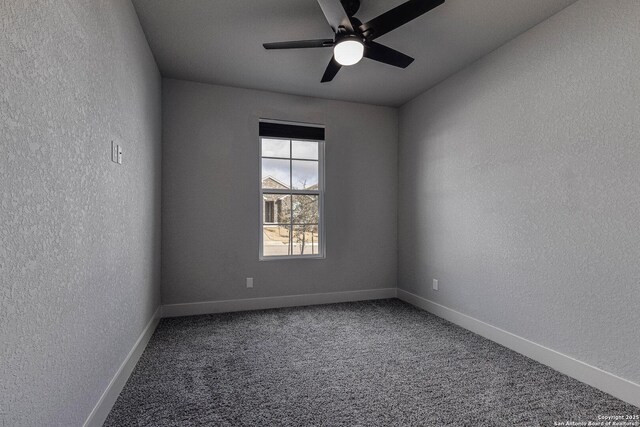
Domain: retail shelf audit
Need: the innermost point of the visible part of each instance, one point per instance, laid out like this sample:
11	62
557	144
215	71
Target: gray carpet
378	363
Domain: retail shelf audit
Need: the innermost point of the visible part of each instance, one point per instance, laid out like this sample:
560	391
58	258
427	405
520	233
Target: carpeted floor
378	363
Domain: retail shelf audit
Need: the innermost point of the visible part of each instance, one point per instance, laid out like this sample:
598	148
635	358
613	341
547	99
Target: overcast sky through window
303	173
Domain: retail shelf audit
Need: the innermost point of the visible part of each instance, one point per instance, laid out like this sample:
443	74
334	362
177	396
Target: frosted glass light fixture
349	51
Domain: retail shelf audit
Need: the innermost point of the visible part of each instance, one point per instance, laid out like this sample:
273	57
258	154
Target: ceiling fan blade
335	14
397	17
381	53
331	71
299	44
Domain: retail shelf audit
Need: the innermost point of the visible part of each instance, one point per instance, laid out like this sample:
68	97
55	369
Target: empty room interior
320	213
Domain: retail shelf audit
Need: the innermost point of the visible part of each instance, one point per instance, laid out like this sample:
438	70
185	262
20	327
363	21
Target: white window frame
322	246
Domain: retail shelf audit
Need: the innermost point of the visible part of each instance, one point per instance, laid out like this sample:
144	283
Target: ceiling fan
354	40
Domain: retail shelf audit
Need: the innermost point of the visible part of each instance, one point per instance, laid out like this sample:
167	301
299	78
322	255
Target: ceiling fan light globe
348	52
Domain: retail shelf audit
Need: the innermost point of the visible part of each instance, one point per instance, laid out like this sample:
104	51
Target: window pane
305	209
305	174
275	173
276	208
304	150
275	240
305	239
275	148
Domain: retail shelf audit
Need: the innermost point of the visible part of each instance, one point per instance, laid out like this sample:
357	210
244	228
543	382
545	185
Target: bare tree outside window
305	220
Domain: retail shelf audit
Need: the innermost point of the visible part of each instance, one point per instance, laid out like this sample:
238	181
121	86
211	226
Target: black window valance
281	130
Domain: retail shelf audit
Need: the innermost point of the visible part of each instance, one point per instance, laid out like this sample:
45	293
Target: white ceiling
220	42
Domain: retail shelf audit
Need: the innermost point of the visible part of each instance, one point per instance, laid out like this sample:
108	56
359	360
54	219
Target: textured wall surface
520	187
79	252
211	201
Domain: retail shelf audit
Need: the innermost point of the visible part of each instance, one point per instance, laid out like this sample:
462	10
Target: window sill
290	257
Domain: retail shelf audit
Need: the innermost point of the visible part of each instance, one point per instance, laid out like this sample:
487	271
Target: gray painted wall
80	249
210	195
520	187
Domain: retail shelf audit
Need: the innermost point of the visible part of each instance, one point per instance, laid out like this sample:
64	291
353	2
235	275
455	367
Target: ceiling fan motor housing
340	37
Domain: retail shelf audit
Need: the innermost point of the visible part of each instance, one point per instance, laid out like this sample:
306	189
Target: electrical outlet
435	284
249	282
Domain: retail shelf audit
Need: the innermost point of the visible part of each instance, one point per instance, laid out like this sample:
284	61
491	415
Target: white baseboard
609	383
100	412
225	306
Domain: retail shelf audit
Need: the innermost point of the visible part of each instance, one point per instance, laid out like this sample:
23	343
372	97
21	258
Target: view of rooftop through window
291	197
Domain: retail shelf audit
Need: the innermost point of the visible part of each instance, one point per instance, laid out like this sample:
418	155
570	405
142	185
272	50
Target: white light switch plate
114	152
249	282
435	284
119	155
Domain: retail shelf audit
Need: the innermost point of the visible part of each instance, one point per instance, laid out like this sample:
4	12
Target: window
291	190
